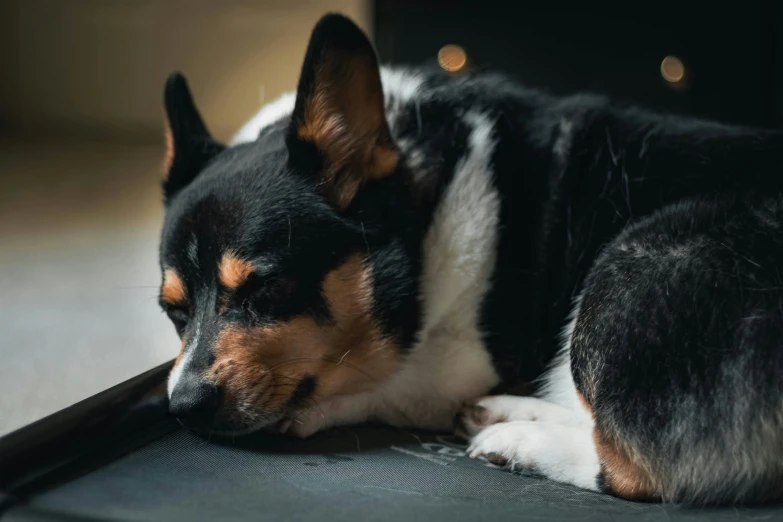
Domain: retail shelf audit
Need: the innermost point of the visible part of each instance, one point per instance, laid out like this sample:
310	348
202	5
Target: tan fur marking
626	477
584	403
233	271
168	158
173	290
346	120
261	366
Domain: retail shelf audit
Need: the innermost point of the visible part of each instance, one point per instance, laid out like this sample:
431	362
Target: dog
405	245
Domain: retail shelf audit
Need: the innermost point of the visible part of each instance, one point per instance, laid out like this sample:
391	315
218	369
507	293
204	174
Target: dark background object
731	52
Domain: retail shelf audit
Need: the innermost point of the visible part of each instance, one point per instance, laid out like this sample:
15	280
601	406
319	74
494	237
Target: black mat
362	474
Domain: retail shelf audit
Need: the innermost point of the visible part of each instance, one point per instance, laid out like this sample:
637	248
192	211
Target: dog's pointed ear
189	145
339	115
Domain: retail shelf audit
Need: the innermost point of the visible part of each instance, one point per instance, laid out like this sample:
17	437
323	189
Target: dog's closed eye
179	315
263	297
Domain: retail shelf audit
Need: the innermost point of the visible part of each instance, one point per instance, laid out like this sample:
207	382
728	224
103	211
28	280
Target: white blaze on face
184	362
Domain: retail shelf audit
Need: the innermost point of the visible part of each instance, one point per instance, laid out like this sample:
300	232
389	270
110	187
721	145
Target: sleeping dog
393	245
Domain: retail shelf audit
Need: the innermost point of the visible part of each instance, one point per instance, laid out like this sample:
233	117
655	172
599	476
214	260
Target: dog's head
289	264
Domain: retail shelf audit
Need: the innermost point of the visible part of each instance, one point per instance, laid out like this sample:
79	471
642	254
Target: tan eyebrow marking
233	271
173	290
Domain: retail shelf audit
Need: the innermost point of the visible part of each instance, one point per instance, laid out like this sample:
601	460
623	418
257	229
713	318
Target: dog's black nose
195	402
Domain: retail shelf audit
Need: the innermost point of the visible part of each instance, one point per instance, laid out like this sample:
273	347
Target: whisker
323	359
352	366
291	361
317	405
364	236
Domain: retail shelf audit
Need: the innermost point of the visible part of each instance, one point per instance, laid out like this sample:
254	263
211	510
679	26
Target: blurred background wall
97	66
81	133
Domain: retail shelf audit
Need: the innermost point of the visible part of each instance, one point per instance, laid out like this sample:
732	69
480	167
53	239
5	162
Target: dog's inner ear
339	110
189	145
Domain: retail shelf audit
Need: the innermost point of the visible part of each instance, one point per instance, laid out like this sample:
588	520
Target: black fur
623	164
678	346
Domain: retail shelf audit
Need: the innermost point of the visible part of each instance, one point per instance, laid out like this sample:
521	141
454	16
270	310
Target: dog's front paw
559	452
507	444
304	423
474	416
327	413
478	415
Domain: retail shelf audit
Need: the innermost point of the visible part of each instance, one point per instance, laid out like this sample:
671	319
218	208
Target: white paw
511	444
327	413
559	452
477	415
